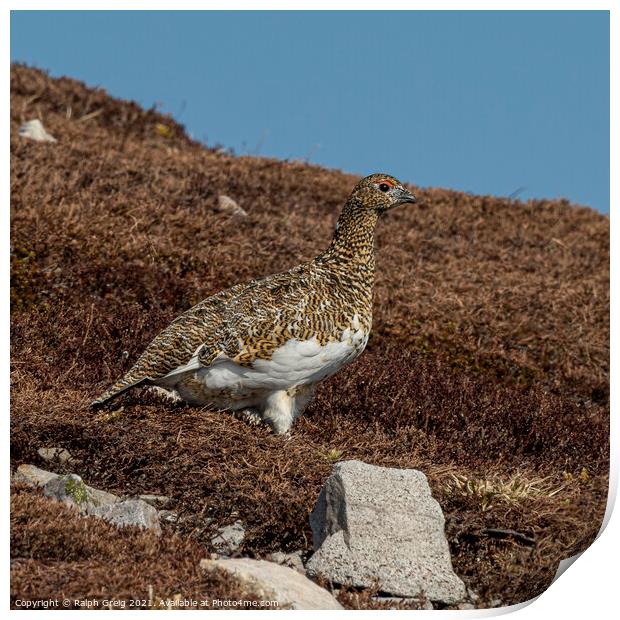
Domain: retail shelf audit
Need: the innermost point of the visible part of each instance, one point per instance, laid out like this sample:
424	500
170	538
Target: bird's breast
295	362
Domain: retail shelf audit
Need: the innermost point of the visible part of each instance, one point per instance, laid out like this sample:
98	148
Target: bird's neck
353	244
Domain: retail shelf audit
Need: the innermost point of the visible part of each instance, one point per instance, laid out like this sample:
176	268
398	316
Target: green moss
77	490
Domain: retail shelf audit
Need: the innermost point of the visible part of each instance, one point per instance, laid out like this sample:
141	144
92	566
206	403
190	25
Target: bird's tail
124	384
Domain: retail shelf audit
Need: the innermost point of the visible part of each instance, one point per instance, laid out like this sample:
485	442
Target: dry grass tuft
510	490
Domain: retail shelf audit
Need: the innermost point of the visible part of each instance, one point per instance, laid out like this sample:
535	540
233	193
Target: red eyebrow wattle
390	183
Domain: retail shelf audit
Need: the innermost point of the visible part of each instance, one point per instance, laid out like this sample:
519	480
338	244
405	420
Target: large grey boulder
273	582
380	527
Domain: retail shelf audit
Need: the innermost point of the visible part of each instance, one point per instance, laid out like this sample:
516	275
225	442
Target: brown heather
487	367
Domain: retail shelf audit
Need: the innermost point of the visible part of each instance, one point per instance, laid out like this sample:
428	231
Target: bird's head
380	192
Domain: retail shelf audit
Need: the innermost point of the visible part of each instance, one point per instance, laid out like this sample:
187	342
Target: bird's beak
405	197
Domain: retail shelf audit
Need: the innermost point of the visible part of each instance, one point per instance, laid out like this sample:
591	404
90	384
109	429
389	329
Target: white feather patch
295	363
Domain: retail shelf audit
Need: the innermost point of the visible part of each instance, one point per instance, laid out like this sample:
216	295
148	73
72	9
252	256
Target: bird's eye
384	187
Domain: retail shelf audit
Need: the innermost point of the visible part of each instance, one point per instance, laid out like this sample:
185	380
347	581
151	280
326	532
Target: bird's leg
278	412
301	395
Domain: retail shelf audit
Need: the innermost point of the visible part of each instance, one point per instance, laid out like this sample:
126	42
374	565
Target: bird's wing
174	347
279	309
244	323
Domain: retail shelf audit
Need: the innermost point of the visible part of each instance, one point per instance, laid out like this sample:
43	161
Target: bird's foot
250	416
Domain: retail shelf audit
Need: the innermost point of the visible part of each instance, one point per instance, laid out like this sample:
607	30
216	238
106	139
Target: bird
261	347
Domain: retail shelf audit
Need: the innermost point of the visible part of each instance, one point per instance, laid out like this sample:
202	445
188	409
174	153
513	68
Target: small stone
229	538
33	476
34	130
129	512
466	606
225	204
69	489
102	498
473	596
59	455
169	516
157	501
72	490
292	560
63	488
270	581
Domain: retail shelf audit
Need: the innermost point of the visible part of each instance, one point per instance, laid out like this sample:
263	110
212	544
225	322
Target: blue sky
486	102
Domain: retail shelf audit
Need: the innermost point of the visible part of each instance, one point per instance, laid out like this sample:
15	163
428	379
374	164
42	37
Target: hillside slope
487	368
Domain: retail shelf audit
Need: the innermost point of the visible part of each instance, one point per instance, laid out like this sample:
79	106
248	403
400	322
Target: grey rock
168	515
227	205
129	512
466	606
292	560
60	455
101	498
473	596
33	476
157	501
380	527
269	581
229	538
34	130
71	489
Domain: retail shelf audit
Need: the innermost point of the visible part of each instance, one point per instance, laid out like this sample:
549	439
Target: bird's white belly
227	384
